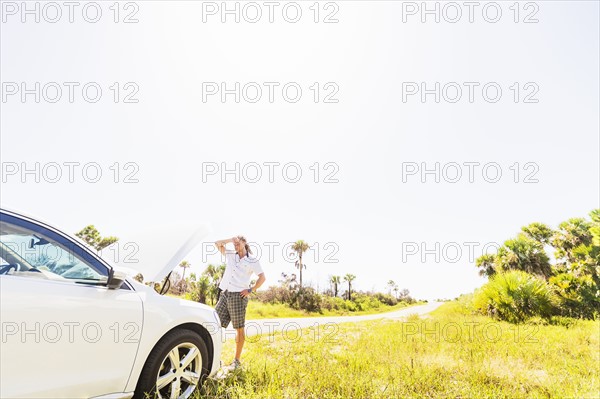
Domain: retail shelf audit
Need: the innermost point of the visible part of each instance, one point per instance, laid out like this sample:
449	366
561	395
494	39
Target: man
236	290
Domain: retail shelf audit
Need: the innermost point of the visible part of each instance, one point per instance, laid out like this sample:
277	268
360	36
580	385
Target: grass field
451	354
259	310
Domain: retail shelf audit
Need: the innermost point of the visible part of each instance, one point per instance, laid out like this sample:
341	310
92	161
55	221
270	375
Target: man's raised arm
221	244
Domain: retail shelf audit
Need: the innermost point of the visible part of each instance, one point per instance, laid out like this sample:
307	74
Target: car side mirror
115	280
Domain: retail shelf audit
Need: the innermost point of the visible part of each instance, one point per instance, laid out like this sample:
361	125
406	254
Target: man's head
241	245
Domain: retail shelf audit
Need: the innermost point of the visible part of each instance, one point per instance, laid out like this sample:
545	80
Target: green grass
260	310
465	356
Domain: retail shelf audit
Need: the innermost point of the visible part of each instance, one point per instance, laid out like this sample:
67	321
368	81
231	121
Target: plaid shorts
232	307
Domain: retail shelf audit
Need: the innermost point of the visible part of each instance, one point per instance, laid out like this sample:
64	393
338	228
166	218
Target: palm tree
486	264
211	271
184	264
214	274
404	294
335	280
183	285
202	289
105	242
91	236
539	232
300	247
523	253
570	235
349	277
391	285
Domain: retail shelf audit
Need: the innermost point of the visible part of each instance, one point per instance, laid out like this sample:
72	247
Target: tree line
524	282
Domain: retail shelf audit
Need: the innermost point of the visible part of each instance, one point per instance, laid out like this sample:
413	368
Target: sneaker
236	364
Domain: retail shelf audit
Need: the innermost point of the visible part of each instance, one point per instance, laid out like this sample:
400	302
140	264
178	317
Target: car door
64	333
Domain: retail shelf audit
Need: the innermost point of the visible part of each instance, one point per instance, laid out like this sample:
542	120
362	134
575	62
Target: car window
29	253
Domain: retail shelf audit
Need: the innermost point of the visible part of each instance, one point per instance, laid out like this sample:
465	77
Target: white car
73	327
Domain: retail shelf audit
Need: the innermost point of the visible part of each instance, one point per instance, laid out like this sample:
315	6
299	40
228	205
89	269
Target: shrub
275	295
577	294
333	303
367	302
516	296
386	299
306	298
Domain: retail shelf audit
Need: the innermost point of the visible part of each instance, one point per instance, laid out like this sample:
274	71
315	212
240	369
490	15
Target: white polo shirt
238	272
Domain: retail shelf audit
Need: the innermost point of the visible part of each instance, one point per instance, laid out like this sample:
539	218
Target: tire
160	368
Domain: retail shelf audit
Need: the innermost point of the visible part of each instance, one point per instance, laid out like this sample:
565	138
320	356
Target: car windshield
24	253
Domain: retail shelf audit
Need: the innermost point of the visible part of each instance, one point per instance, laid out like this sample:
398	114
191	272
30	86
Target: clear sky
360	122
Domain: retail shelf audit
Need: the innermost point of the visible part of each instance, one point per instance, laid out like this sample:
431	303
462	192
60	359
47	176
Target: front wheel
175	368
